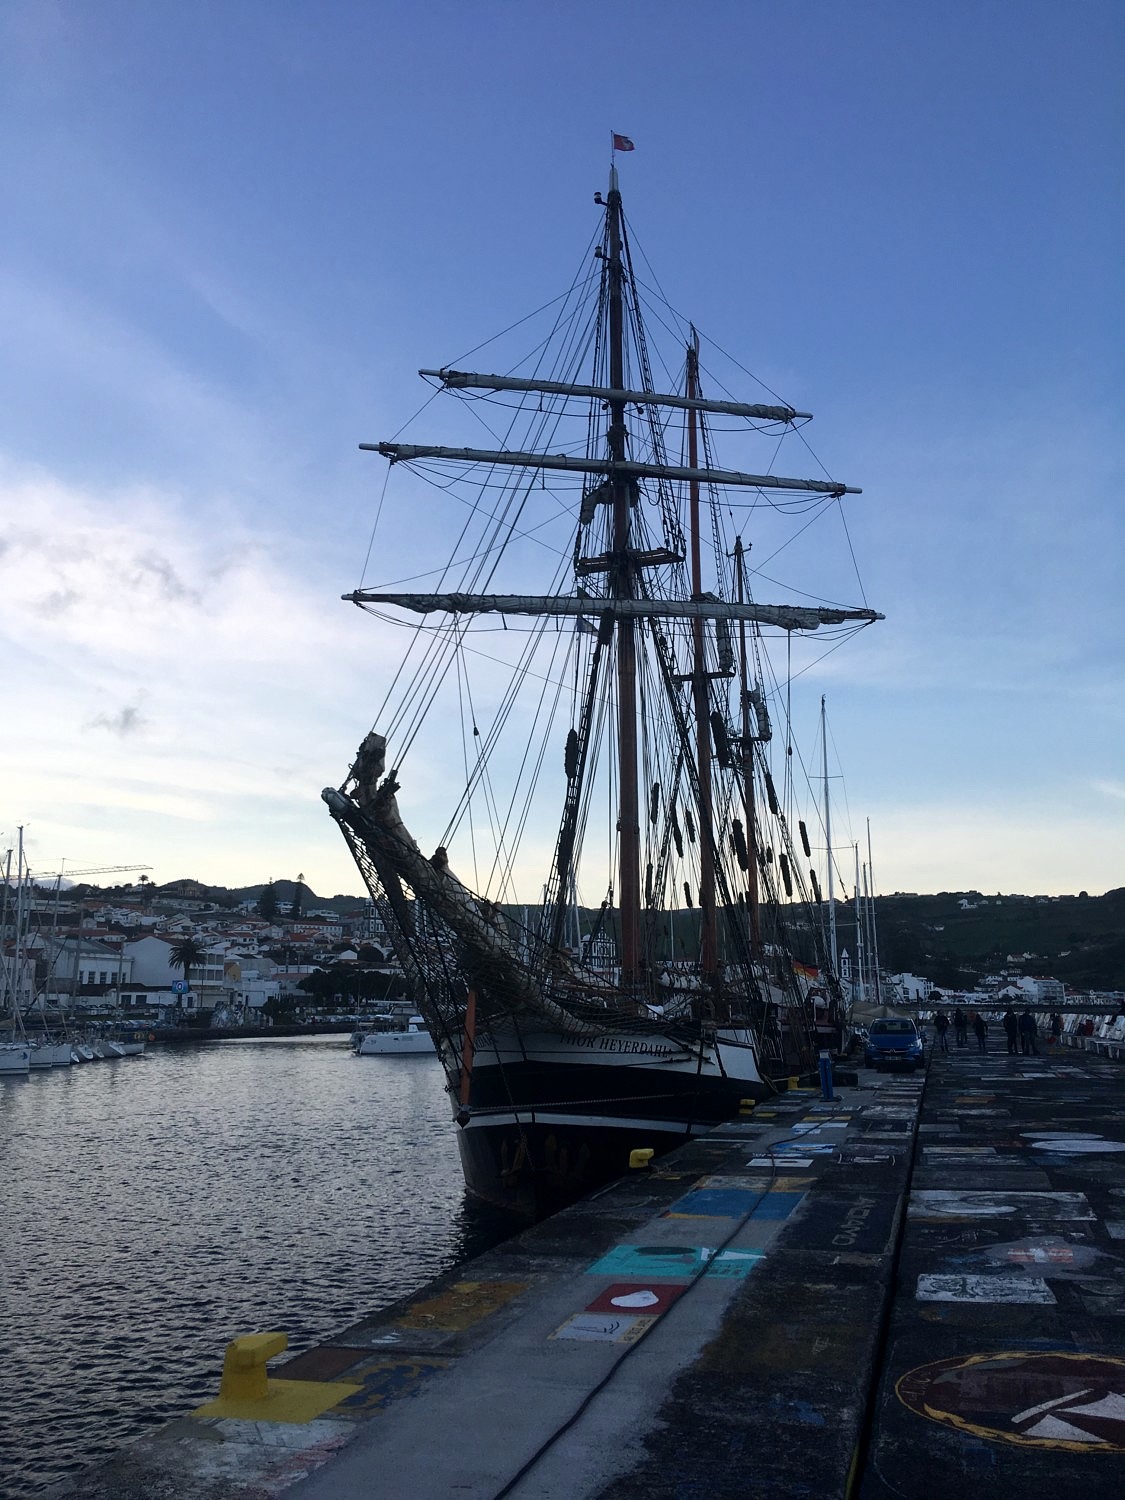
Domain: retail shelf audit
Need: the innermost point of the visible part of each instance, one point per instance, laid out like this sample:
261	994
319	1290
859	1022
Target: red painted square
643	1298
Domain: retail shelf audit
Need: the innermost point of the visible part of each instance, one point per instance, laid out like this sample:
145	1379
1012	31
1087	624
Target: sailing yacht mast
857	978
828	847
21	915
874	933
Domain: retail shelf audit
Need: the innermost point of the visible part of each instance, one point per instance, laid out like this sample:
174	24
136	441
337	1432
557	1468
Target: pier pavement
889	1294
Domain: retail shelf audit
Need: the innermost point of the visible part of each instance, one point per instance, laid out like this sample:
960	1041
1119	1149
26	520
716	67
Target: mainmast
622	586
708	945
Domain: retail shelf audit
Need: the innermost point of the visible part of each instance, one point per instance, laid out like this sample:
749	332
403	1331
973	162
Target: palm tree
185	953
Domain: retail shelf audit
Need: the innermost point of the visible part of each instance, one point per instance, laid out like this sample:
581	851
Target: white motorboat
411	1036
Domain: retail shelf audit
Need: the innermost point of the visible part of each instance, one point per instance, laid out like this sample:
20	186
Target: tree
280	1008
267	902
185	953
298	897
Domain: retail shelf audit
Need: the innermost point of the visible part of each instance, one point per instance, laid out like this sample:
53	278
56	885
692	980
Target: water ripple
157	1206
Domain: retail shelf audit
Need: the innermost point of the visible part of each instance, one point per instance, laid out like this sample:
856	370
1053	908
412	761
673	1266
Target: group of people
961	1023
1023	1029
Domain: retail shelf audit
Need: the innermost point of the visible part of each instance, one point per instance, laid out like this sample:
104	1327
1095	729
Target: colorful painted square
603	1328
713	1203
734	1264
387	1379
460	1305
672	1262
993	1289
777	1205
642	1262
636	1299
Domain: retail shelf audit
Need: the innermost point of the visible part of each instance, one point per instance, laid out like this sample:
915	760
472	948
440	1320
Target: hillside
1079	939
952	938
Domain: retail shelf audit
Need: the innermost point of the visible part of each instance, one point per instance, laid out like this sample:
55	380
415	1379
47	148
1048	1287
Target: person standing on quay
1028	1032
941	1026
960	1027
980	1026
1011	1028
1056	1028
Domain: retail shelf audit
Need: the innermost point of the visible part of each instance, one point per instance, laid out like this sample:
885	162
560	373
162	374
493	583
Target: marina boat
49	1054
15	1059
612	942
107	1049
412	1035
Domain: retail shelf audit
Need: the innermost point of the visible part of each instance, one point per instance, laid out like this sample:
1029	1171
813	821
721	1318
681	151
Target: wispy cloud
126	721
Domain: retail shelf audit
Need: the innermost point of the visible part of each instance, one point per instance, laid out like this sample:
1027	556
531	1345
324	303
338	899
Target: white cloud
186	692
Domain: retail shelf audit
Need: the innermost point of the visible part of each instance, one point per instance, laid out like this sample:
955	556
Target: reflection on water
155	1207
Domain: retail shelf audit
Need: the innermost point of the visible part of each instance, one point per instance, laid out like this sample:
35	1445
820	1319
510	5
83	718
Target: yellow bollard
642	1157
794	1081
248	1395
244	1365
747	1106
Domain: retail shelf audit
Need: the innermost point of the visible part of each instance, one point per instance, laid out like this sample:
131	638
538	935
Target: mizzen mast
749	809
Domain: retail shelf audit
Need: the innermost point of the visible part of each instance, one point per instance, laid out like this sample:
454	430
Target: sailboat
657	977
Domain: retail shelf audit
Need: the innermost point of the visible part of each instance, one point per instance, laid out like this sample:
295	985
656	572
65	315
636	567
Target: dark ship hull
538	1134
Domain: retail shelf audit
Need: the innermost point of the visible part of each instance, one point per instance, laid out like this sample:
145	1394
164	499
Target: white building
153	966
91	969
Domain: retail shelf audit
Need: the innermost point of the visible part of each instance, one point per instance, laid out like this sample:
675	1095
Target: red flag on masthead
622	143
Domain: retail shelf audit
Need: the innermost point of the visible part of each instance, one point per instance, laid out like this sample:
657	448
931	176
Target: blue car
893	1042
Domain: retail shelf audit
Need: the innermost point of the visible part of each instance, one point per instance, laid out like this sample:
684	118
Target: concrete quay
882	1295
1004	1366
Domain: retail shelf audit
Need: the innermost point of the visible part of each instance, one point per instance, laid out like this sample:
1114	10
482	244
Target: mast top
614	186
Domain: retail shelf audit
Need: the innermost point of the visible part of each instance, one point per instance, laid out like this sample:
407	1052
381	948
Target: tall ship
619	933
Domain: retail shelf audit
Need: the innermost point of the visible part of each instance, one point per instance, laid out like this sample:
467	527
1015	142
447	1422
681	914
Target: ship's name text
620	1044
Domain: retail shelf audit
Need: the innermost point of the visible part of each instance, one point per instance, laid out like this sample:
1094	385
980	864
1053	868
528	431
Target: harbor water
155	1207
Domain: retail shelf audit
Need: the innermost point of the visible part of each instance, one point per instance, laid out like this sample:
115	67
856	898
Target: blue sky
235	230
